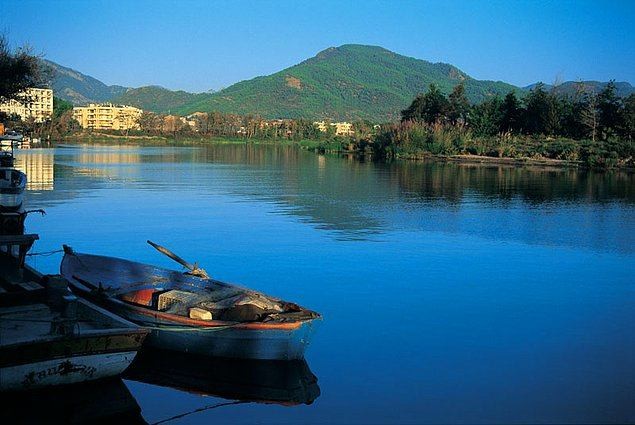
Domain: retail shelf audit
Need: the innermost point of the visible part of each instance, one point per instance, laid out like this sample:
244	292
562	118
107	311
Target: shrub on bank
416	139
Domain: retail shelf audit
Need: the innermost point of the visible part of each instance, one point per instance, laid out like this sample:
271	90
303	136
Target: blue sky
201	45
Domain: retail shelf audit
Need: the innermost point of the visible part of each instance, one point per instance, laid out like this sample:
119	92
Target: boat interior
36	307
12	178
174	295
216	302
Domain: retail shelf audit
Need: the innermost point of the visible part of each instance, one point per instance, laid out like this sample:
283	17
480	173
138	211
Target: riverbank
341	146
106	138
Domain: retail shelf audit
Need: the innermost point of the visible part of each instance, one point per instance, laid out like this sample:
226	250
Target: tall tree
485	118
458	105
19	70
537	106
511	113
589	115
430	107
556	105
610	109
628	124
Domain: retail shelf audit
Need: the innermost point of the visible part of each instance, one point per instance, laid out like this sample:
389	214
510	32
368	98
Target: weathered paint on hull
274	344
64	371
232	342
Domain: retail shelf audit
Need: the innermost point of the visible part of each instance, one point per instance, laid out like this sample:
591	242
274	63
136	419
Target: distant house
107	116
341	128
33	103
174	123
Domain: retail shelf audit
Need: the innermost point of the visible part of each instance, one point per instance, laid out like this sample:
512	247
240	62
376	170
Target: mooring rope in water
201	409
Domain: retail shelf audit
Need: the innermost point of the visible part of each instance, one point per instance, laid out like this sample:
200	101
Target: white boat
50	337
12	136
12	186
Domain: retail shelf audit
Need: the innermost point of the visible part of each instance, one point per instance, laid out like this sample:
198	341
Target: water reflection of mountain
356	200
280	382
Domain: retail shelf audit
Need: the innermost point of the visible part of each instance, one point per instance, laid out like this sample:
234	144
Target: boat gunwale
104	295
210	323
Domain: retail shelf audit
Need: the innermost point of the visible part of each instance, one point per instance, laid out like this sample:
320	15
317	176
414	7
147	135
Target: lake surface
450	293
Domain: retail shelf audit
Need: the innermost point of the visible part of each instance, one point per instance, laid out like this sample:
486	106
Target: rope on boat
45	253
41	211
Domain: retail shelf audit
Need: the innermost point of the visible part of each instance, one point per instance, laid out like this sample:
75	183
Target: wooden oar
193	268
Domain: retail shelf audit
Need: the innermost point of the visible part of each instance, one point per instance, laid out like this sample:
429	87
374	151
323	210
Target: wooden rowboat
190	312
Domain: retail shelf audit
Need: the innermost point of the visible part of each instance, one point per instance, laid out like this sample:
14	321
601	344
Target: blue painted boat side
272	344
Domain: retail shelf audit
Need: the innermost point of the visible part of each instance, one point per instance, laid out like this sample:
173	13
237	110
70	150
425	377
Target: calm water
450	293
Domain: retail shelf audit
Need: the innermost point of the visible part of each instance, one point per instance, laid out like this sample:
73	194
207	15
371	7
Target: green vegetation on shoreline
343	146
594	130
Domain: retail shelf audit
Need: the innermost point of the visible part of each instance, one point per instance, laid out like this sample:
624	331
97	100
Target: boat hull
102	279
64	371
240	342
273	344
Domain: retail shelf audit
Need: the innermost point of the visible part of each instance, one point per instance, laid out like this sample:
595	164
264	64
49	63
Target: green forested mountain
340	83
157	99
624	89
344	83
78	88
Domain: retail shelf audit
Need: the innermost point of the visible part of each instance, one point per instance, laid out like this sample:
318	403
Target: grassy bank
106	138
335	145
417	141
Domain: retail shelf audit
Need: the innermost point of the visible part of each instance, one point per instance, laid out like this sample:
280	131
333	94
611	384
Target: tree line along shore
584	128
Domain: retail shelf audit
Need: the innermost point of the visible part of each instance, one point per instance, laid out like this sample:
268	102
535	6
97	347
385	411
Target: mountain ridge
78	88
623	88
348	82
344	83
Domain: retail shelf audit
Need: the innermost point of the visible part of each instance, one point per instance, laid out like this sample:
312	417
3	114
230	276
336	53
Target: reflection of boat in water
191	312
267	381
106	401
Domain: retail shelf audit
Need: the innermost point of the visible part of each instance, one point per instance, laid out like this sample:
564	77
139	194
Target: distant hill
344	83
157	99
340	83
624	89
79	88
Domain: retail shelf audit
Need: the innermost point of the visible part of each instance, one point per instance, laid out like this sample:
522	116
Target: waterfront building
107	116
341	128
34	103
